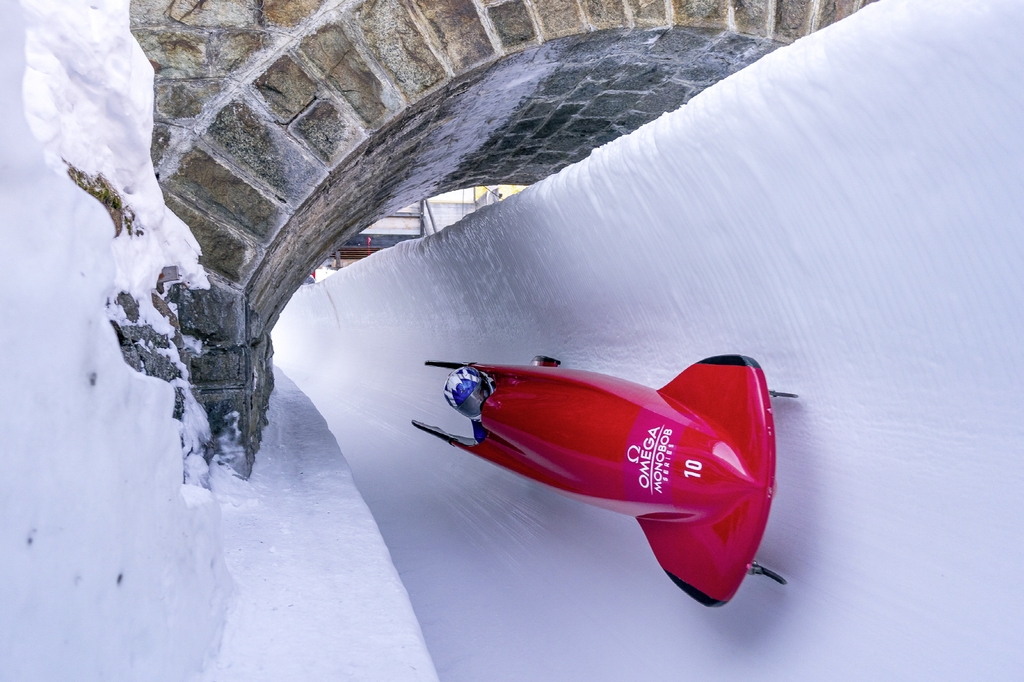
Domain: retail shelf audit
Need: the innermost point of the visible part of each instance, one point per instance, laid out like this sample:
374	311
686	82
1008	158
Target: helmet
466	390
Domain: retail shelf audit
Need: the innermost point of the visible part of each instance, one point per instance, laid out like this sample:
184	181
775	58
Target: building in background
412	222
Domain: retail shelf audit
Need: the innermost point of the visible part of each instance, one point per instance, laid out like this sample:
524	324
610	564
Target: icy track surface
317	595
850	212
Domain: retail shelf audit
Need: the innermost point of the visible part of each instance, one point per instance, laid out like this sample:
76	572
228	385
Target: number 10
693	467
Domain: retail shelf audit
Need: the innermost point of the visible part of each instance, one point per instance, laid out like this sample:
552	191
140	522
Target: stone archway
283	127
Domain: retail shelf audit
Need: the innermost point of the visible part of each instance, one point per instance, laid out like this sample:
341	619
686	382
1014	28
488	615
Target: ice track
849	211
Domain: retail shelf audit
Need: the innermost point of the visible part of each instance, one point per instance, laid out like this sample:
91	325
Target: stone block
588	126
399	47
222	194
793	18
224	251
586	91
580	154
184	99
155	364
149	13
565	141
610	105
558	119
605	13
512	22
174	54
458	29
141	346
261	361
641	77
558	18
265	152
129	351
179	403
129	305
538	109
631	120
701	12
508	142
145	335
668	97
286	88
530	173
324	129
228	412
289	12
678	43
551	159
526	126
603	68
619	44
741	50
230	49
563	81
331	51
215	316
217	14
161	138
832	11
219	366
707	69
648	13
751	16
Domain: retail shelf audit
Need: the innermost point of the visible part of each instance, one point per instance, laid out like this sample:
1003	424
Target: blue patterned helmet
466	390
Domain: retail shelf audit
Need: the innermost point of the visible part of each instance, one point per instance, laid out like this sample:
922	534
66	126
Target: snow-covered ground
317	595
849	211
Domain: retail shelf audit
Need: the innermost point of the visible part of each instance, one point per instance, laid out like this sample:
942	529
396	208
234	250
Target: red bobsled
693	461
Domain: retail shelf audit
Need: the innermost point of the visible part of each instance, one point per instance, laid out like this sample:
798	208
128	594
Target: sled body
693	461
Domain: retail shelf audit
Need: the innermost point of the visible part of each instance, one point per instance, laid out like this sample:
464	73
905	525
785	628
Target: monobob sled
693	461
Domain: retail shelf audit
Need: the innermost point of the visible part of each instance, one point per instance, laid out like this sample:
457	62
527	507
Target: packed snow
110	568
317	595
849	212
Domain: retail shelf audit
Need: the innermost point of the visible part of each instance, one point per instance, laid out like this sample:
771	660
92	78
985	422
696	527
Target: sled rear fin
731	393
708	560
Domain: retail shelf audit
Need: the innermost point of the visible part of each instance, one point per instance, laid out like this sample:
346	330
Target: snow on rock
110	569
89	99
318	597
849	212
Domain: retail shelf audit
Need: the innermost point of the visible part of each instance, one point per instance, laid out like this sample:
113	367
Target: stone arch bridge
283	127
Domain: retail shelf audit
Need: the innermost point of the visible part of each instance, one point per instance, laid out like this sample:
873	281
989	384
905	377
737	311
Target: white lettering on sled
649	452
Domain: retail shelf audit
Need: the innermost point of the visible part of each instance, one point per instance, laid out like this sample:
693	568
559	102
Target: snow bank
110	569
848	211
318	597
89	100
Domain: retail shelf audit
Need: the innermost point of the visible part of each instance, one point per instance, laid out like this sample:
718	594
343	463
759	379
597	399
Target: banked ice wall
849	212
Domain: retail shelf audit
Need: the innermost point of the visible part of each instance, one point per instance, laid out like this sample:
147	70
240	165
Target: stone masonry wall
285	126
